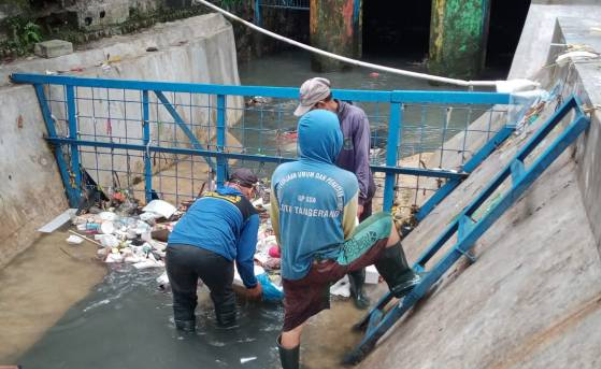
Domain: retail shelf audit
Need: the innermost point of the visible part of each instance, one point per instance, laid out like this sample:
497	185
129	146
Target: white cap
312	91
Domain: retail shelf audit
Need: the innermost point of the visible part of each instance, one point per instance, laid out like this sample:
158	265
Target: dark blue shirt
354	155
223	222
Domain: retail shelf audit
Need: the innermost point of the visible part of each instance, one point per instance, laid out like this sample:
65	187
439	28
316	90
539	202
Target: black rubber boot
393	267
290	358
357	280
226	319
185	325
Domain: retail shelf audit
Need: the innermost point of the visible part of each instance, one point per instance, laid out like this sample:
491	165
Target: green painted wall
458	33
335	27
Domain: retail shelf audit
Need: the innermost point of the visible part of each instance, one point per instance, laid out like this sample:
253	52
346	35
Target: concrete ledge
53	48
534	47
586	82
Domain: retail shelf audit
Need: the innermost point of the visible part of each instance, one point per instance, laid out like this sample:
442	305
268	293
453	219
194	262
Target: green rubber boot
290	358
357	280
393	267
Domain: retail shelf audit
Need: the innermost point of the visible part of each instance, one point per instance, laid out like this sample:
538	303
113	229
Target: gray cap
312	91
244	177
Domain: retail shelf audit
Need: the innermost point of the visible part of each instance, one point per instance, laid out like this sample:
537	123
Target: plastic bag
271	292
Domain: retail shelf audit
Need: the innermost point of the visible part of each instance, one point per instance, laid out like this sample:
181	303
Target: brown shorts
309	295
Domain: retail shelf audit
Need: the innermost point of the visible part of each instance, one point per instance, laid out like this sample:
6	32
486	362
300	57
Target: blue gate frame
467	229
71	173
303	5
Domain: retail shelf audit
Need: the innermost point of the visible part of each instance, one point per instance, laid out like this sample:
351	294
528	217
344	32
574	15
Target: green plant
23	34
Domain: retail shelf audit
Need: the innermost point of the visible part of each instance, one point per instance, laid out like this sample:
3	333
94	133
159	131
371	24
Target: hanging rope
359	63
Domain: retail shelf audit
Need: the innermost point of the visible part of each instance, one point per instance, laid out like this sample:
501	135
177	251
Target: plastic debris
75	240
245	360
163	281
371	275
149	263
163	208
271	291
563	59
58	221
107	215
107	227
342	288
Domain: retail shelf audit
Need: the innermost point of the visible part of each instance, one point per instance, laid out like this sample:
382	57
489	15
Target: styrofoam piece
148	263
160	207
371	275
108	240
163	279
107	227
58	222
114	258
108	215
133	259
149	216
342	288
245	360
75	240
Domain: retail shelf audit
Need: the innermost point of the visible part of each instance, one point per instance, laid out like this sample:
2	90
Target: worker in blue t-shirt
219	228
313	210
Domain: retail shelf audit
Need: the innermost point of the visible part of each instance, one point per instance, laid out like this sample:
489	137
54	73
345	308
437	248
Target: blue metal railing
304	5
141	130
523	169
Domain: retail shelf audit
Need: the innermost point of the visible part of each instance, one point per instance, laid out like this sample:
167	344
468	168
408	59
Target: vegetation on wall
21	36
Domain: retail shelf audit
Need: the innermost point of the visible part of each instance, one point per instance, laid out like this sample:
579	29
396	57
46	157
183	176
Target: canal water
266	122
122	320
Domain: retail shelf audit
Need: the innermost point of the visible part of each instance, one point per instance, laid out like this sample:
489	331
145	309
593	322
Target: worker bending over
219	228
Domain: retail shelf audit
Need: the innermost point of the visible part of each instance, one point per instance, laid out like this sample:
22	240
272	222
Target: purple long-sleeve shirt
354	155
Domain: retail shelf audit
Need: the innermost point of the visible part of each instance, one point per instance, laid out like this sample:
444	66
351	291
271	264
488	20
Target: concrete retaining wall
533	297
197	50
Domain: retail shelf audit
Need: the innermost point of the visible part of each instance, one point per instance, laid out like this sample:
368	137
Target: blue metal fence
303	5
170	137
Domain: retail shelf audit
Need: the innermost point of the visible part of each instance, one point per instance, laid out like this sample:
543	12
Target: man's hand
255	293
359	211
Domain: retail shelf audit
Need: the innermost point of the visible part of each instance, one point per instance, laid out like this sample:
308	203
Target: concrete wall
533	297
31	192
200	50
585	77
534	48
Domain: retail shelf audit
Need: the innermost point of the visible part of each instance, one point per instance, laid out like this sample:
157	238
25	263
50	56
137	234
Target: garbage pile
127	235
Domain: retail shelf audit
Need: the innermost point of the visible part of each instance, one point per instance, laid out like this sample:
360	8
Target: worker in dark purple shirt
315	93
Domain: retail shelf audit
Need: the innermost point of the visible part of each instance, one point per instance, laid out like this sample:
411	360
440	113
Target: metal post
147	159
258	12
221	139
394	128
58	151
75	163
